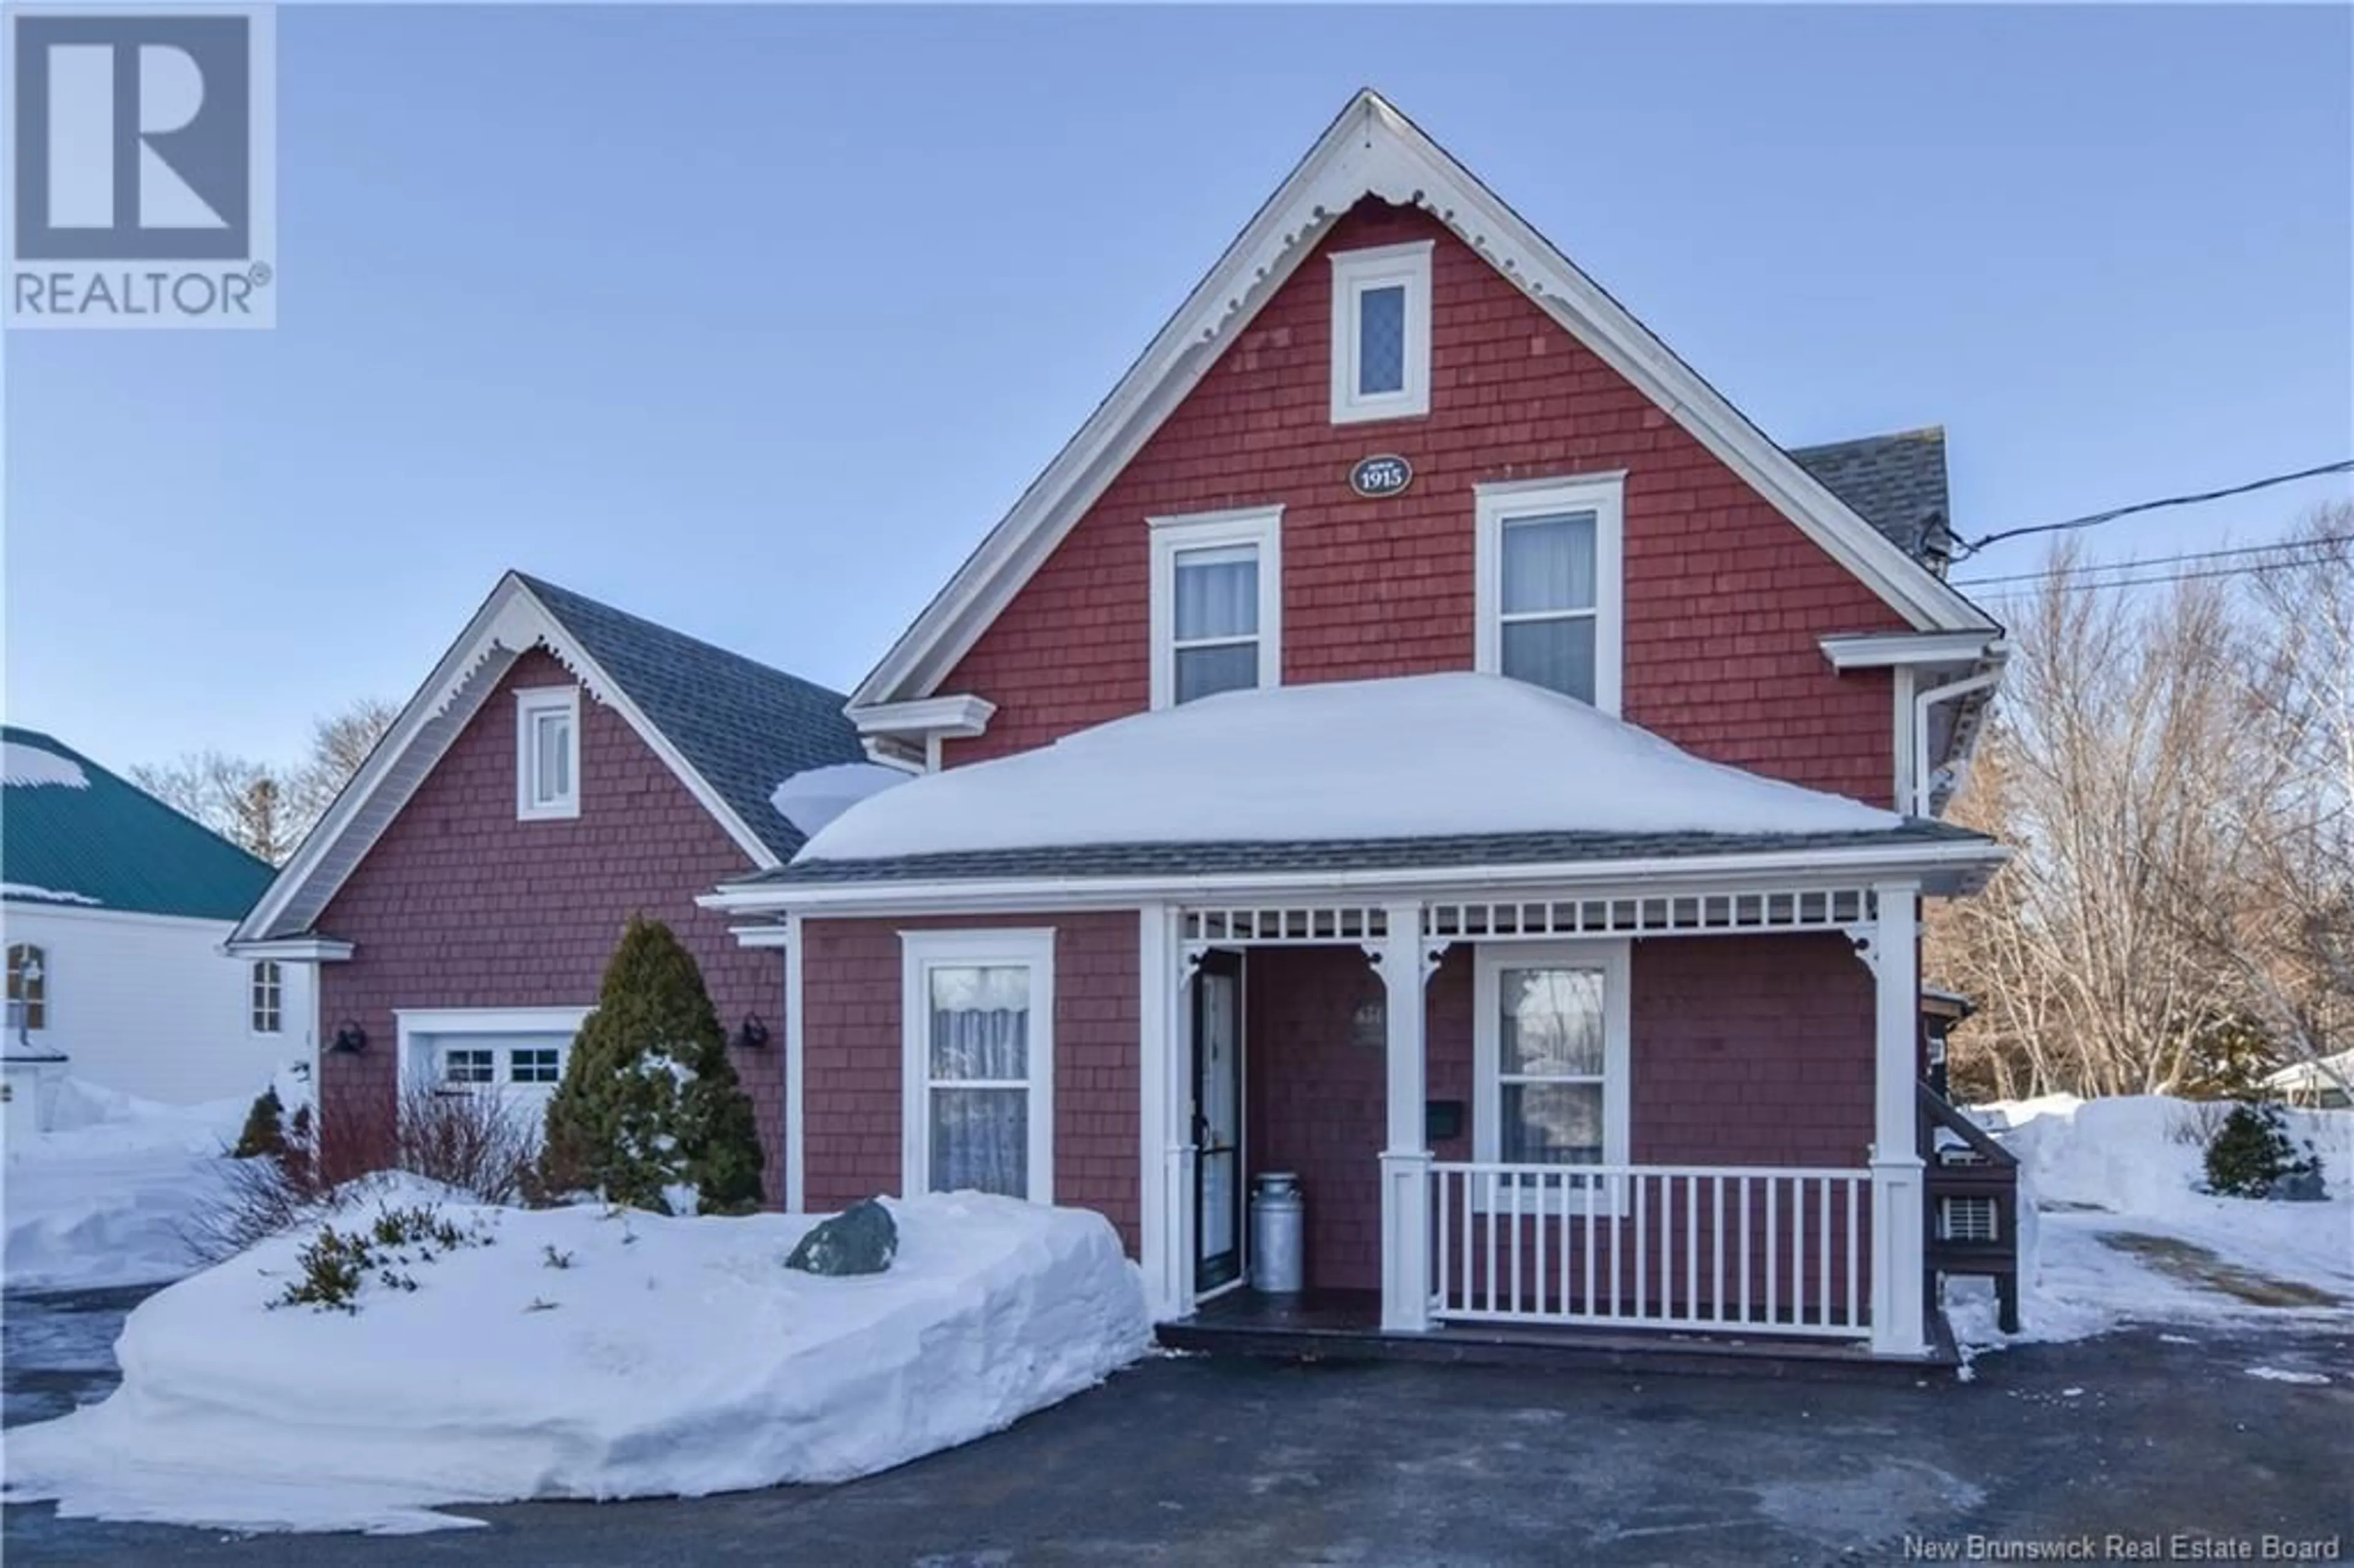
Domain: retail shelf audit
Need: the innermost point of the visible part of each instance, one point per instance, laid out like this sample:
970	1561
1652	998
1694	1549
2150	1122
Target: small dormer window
1381	333
547	753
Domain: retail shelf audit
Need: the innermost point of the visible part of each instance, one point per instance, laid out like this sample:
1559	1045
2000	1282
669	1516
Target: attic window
1381	333
547	753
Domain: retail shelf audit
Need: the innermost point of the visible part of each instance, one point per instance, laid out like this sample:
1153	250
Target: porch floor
1345	1325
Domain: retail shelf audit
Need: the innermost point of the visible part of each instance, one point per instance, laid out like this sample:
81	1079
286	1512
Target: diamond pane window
1381	341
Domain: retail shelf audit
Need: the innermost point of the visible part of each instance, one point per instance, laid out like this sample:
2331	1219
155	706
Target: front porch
1500	1164
1345	1326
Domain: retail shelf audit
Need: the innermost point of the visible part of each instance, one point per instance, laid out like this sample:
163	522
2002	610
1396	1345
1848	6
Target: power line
1972	546
2245	568
2285	549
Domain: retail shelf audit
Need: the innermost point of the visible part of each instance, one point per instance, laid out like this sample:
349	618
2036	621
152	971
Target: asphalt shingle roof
1340	855
1896	484
113	843
744	726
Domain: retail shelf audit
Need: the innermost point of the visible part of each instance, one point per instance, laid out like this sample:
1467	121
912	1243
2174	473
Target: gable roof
1371	149
1896	484
731	729
741	726
74	835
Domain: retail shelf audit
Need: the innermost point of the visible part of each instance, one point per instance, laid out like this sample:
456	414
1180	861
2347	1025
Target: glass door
1218	1120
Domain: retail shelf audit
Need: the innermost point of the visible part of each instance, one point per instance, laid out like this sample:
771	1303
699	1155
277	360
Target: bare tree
2289	937
338	746
2176	775
264	808
2112	776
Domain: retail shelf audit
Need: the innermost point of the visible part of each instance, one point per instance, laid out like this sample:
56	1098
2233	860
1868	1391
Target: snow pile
107	1196
31	767
815	797
1422	756
2129	1170
662	1356
44	895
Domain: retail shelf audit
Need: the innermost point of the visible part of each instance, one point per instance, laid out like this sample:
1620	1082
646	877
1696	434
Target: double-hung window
979	1023
29	985
267	1002
1381	333
1217	603
547	752
1549	1056
1548	564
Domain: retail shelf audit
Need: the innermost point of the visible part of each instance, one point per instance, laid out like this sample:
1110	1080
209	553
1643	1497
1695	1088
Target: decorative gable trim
511	622
1372	149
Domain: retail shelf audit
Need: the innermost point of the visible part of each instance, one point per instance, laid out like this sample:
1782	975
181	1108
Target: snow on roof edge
1411	757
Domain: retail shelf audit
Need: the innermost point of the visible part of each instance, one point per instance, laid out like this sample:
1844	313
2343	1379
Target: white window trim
1511	501
1354	271
1616	961
253	989
415	1026
920	952
530	703
1261	526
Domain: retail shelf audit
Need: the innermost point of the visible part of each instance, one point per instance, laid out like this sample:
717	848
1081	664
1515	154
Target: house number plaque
1386	474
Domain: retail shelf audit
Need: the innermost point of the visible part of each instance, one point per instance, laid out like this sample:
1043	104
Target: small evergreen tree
265	1128
2250	1152
648	1099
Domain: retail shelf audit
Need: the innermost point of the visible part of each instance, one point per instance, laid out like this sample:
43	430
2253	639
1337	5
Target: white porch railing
1760	1249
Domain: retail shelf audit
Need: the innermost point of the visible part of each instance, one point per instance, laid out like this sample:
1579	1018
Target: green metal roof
73	836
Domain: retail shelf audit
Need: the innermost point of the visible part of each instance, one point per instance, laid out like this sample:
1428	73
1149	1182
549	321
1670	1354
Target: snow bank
106	1198
31	767
668	1356
2132	1166
1455	754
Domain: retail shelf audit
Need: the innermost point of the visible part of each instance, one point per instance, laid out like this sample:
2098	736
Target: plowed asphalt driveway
2106	1450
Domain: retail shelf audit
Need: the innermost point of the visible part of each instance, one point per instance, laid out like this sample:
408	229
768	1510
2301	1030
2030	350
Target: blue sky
754	319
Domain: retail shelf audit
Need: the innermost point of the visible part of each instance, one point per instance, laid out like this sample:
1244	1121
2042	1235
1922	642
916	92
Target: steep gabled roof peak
1372	148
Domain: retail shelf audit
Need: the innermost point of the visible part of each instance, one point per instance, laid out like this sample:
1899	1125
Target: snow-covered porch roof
1429	781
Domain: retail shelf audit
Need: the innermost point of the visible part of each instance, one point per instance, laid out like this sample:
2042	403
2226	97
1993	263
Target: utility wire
2245	568
2286	550
1967	548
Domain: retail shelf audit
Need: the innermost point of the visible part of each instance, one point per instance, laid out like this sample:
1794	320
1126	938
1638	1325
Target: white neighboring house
2320	1083
113	908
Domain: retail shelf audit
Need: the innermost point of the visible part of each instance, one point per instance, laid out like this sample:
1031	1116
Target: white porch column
1896	1182
1165	1148
1406	1158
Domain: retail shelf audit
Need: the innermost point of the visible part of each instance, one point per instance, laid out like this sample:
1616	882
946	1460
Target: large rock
2304	1186
861	1239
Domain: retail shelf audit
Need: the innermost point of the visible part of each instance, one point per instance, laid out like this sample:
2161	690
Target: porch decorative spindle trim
1280	925
1745	1249
1652	914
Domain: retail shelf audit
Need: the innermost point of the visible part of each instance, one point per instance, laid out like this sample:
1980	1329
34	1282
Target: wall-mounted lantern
350	1038
751	1034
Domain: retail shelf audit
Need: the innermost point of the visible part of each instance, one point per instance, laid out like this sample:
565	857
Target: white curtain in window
1555	654
554	757
1218	593
981	1035
1549	564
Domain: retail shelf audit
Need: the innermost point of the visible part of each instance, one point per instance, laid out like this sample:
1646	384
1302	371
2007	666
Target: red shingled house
1420	737
564	767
